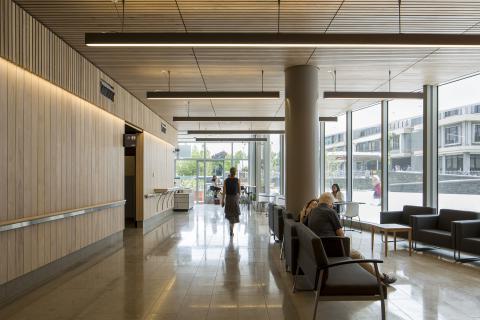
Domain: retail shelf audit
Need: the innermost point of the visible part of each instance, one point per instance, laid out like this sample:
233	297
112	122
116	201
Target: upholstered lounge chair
335	278
403	217
467	237
437	230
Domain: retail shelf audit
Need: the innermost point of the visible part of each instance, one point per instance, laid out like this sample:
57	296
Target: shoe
388	278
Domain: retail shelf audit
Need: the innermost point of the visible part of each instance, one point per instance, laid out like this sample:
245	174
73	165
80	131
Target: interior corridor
200	273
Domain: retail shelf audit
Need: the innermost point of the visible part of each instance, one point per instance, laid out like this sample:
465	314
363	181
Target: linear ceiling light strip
371	95
281	40
235	131
229	139
242	119
169	95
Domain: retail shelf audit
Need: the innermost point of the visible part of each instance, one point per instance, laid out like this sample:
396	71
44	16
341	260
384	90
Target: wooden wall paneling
61	166
3	159
26	175
69	168
48	168
2	28
3	141
77	190
19	169
139	172
55	166
33	163
40	138
11	157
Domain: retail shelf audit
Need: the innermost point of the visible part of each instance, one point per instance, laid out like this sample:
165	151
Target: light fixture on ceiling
282	40
236	131
176	95
242	119
229	139
371	95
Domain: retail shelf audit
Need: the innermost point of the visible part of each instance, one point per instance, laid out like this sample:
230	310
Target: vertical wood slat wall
59	149
27	43
59	152
157	172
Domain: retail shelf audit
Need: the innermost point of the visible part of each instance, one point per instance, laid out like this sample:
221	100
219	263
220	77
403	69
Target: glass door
213	168
200	185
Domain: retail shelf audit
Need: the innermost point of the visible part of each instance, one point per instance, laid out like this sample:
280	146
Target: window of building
366	181
395	141
475	164
275	164
405	169
458	185
454	164
368	146
451	113
452	135
476	133
335	156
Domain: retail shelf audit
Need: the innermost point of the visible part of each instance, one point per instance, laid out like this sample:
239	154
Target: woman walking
231	188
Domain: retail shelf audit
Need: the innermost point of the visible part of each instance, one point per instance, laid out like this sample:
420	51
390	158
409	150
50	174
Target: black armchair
334	278
290	245
270	216
403	217
438	230
278	222
467	236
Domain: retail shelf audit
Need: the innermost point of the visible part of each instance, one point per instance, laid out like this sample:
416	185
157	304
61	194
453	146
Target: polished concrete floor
200	273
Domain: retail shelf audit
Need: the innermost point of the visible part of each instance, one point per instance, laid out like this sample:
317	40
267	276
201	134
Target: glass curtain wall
405	153
367	161
197	163
189	165
335	154
240	161
459	144
275	164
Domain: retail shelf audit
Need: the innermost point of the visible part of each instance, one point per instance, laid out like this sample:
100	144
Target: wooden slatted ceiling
140	70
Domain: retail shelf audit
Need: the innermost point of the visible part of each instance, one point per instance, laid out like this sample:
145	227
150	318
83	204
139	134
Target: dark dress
232	207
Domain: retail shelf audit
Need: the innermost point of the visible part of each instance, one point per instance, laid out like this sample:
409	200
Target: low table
394	228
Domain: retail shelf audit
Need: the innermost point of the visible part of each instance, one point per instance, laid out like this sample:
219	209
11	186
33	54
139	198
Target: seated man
323	220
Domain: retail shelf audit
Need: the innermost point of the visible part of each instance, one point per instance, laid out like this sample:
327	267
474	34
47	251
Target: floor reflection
200	272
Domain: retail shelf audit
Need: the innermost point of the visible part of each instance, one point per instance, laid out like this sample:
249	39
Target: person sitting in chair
324	222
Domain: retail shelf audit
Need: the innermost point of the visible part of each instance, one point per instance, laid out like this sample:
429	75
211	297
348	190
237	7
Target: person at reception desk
231	198
324	222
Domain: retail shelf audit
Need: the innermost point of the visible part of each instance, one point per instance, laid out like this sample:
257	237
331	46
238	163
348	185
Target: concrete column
302	131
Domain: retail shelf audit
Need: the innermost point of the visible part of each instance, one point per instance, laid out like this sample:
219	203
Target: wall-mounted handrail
28	221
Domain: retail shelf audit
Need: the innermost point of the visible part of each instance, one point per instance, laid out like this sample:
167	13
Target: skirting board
32	280
155	221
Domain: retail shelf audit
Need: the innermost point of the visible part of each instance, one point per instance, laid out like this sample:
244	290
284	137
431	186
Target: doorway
129	143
